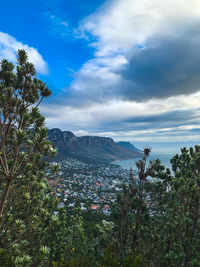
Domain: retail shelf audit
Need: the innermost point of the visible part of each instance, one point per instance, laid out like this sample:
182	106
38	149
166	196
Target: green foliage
173	231
132	260
5	259
110	258
25	201
161	218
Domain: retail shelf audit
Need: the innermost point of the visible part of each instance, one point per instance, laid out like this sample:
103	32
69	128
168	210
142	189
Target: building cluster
93	186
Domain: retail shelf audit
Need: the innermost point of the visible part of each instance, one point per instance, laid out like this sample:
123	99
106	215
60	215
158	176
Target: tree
130	212
172	236
25	200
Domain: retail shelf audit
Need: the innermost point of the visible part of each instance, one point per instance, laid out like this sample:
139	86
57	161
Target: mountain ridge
94	148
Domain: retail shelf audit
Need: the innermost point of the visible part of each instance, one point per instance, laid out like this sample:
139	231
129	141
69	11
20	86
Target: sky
126	69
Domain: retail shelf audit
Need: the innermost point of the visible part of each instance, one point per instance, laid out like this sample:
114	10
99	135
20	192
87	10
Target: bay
130	163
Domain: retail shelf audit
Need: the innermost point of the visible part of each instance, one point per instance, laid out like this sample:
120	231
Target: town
94	186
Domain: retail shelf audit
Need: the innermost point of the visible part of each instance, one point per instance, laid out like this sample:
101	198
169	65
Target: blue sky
47	26
126	69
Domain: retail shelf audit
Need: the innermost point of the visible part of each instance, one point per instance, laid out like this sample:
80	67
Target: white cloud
123	24
9	45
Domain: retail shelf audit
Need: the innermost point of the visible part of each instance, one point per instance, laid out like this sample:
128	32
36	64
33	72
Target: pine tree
25	201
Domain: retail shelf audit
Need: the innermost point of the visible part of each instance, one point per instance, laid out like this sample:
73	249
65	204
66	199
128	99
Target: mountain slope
94	148
129	146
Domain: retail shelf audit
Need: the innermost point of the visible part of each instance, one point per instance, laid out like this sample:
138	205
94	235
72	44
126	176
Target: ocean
130	163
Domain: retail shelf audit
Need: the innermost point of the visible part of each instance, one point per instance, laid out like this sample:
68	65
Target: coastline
118	160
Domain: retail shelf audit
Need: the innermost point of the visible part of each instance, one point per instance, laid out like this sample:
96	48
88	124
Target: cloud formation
169	65
144	49
116	118
9	45
121	25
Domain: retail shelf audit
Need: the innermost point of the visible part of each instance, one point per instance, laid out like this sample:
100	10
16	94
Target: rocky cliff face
64	140
101	149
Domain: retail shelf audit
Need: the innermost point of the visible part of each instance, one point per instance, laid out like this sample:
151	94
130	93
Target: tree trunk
138	217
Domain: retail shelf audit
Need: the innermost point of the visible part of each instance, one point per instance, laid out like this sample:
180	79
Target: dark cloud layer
168	66
164	120
175	116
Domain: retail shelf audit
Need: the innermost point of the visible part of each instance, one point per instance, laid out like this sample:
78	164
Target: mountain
129	146
92	148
